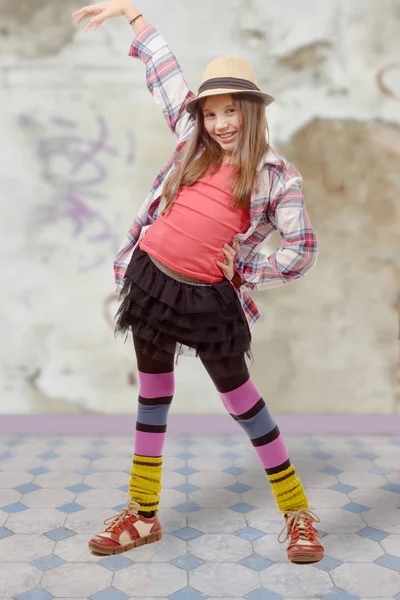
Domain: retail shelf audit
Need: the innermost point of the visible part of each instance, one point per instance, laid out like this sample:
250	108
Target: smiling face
222	121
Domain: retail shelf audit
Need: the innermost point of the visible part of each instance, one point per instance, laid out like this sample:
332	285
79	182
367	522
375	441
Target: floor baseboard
64	424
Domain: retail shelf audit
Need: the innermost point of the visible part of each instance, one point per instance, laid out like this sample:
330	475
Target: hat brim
191	106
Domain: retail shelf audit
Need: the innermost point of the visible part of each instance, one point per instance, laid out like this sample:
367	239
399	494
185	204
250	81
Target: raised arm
164	76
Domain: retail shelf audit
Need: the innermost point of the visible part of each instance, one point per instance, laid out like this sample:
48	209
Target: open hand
98	13
227	266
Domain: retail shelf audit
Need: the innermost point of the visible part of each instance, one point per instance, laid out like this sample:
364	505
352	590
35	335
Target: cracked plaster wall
81	141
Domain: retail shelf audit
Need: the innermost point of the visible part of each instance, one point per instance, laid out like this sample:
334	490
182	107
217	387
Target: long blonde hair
252	146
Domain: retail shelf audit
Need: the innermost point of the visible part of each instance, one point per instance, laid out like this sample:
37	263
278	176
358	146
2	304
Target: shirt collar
270	158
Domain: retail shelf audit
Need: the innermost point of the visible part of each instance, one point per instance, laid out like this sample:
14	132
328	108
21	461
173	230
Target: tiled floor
219	518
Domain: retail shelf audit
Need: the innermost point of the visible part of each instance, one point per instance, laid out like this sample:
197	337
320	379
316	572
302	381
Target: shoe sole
148	539
306	558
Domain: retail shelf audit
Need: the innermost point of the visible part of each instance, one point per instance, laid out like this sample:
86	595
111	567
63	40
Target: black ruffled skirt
170	316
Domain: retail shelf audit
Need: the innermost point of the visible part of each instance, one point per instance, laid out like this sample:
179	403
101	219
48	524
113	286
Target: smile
227	136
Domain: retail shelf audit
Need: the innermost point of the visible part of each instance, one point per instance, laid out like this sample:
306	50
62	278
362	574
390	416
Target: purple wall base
40	424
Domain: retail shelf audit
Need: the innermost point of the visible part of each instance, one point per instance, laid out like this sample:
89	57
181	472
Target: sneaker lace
113	522
299	522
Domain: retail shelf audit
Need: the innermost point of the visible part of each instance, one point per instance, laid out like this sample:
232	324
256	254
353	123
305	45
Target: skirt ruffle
169	315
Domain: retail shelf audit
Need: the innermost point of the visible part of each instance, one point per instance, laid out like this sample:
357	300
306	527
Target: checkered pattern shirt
278	205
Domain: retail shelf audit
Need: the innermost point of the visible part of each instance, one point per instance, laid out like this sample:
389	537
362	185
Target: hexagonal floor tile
307	582
224	579
157	579
35	594
17	578
186	562
75	550
328	563
256	562
234	471
188	533
238	488
71	507
46	563
390	562
366	580
26	488
372	534
248	533
216	520
187	593
5	533
186	507
186	488
70	580
375	497
352	548
220	548
391	544
109	594
269	547
115	563
383	519
22	548
48	498
331	470
338	594
61	533
243	508
355	508
342	487
13	508
168	548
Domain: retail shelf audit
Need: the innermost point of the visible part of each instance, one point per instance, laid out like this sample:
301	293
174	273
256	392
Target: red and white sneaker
305	544
125	531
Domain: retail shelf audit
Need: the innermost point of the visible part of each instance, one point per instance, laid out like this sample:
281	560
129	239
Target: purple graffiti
75	168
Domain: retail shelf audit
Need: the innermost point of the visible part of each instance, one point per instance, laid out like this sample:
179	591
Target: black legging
147	364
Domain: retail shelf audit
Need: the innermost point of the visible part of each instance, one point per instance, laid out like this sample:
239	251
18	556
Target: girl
188	262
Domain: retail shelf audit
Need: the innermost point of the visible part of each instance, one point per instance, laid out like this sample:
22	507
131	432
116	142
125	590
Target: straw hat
228	76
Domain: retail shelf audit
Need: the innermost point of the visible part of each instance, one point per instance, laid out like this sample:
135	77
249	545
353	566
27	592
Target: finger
88	26
83	19
83	11
229	249
223	266
93	8
80	11
101	18
228	255
91	23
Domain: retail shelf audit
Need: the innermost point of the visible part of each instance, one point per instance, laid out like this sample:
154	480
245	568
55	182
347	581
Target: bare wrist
132	14
130	11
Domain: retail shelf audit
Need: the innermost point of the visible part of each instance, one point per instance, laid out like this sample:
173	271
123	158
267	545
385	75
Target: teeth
227	135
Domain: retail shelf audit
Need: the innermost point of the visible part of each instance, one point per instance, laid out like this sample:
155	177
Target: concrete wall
81	140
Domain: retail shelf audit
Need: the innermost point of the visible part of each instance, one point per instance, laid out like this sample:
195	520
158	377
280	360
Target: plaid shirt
278	204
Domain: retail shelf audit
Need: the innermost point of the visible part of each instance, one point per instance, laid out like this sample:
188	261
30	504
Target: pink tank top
189	239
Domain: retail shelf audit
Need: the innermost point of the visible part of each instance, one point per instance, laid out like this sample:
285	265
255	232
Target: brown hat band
228	83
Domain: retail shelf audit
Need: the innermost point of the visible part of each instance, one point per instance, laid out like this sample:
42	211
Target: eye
231	110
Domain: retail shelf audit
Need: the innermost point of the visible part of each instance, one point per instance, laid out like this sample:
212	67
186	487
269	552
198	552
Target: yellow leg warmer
288	490
145	481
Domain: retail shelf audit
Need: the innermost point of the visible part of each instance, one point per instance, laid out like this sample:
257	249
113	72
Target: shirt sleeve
165	80
298	249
